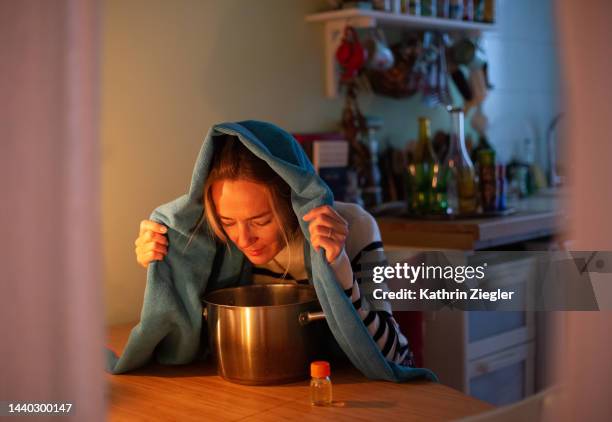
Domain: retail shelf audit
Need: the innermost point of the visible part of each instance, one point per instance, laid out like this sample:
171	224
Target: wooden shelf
377	18
335	21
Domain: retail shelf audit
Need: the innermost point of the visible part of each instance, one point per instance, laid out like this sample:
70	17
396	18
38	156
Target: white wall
524	70
170	70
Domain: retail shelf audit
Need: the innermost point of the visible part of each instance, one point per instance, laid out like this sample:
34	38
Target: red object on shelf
412	326
350	54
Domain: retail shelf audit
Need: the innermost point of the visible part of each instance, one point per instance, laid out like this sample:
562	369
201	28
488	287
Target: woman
248	204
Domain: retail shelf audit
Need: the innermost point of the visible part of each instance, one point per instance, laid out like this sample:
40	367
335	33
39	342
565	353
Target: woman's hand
328	230
151	244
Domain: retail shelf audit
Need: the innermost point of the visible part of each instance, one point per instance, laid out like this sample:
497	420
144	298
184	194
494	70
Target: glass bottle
428	8
468	10
372	191
502	187
320	384
489	11
488	179
456	9
443	8
461	166
422	170
448	180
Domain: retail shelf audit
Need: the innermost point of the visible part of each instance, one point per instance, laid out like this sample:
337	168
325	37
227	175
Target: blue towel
171	318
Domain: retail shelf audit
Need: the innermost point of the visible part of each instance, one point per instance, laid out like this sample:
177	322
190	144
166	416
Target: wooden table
196	392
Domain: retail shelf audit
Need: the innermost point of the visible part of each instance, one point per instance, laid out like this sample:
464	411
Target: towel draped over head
170	327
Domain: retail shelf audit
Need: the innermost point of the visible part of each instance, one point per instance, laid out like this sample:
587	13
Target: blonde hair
233	161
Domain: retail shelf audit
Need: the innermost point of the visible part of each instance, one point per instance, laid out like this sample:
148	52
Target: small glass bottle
320	384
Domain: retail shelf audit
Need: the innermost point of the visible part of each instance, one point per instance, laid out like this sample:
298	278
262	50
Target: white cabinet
487	354
504	377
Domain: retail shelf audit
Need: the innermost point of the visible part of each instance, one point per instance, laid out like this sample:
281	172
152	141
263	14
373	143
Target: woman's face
246	216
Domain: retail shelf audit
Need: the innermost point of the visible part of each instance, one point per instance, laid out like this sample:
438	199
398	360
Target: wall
172	69
524	70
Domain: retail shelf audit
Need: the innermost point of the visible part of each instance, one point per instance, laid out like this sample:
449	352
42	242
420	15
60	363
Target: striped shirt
364	236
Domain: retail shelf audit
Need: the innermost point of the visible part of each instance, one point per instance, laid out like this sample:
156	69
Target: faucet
554	179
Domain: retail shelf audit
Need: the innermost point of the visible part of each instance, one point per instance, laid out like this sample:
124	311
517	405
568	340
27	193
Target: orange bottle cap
319	369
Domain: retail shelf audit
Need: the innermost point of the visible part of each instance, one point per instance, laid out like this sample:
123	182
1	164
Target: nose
245	236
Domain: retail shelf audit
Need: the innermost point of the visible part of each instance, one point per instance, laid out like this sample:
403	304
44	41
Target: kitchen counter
196	392
535	217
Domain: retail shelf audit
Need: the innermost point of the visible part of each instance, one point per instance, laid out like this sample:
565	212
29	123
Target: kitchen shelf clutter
335	21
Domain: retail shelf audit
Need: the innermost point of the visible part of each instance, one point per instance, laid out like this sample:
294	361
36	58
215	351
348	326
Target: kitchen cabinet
335	21
488	354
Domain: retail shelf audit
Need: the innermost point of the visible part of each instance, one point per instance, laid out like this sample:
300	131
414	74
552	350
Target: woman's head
247	202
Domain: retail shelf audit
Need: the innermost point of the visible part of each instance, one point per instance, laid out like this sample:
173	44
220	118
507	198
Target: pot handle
307	317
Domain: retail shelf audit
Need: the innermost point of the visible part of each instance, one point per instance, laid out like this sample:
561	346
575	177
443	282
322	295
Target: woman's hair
233	161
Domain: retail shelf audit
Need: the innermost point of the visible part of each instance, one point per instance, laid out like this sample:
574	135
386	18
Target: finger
316	211
144	255
332	249
150	236
329	218
153	256
145	259
329	232
319	241
155	247
325	210
326	221
152	226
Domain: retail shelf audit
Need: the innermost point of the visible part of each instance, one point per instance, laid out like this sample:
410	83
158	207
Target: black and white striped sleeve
364	238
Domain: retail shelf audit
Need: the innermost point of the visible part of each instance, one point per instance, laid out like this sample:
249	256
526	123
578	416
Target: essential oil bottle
320	384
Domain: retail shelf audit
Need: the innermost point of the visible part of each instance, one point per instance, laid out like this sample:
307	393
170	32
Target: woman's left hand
328	230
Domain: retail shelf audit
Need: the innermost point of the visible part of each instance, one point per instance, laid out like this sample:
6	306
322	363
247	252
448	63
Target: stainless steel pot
261	334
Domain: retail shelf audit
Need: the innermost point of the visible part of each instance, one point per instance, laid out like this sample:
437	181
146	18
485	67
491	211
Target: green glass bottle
422	171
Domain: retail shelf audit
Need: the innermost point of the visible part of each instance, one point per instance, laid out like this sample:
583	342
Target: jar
320	384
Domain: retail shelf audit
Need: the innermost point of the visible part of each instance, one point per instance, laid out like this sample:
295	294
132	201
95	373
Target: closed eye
262	223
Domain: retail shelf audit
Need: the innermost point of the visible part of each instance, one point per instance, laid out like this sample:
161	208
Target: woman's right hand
151	244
